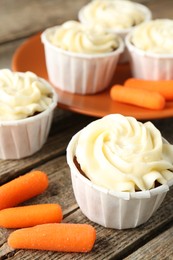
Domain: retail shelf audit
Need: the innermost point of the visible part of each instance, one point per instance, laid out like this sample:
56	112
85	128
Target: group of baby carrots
150	94
38	226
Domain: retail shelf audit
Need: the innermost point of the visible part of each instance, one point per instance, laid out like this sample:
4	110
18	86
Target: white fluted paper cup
149	65
79	73
24	137
119	210
121	32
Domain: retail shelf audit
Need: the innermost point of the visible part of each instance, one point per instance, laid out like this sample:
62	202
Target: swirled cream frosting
154	36
122	154
22	95
74	37
117	14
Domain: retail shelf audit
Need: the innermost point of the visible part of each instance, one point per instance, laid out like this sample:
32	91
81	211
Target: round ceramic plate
30	57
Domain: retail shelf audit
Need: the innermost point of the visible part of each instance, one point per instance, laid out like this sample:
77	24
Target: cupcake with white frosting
116	16
27	103
150	46
121	170
81	59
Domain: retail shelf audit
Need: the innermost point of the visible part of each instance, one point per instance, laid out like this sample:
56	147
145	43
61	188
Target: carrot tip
23	188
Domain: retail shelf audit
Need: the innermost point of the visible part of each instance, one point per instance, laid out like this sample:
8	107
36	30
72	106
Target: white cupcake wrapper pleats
24	137
147	65
120	210
79	73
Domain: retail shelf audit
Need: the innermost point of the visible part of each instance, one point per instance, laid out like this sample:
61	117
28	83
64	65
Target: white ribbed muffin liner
147	65
119	210
124	57
79	73
24	137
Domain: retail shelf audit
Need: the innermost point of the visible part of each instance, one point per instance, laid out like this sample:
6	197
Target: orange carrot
63	237
22	188
164	87
28	216
138	97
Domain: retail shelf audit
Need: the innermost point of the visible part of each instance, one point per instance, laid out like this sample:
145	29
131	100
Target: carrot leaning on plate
62	237
22	188
164	87
139	97
28	216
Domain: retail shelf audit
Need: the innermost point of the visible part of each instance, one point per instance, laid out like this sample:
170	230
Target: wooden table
153	240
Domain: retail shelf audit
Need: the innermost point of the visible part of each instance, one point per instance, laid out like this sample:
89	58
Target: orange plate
30	57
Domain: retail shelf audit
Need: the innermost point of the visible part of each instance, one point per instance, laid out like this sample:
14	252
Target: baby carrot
164	87
22	188
138	97
63	237
28	216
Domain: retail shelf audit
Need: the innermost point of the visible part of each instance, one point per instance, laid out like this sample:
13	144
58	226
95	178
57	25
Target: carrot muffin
150	48
81	59
115	16
123	170
26	109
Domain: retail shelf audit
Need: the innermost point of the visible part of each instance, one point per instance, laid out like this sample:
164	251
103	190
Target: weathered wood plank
6	53
25	17
161	9
110	243
161	247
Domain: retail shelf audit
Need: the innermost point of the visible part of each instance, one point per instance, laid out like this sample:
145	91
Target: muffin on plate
115	16
27	103
150	47
121	170
81	59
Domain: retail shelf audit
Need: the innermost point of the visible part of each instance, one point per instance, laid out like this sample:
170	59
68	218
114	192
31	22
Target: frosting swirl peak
121	154
117	14
75	37
22	95
154	36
